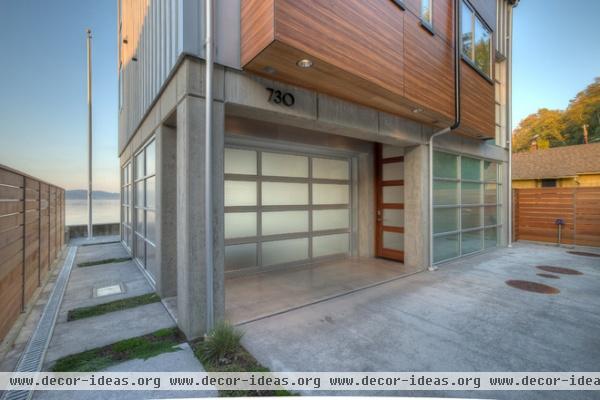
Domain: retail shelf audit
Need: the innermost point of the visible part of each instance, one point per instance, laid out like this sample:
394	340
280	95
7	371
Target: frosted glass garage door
284	208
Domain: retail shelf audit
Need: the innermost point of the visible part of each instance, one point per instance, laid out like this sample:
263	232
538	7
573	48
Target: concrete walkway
464	317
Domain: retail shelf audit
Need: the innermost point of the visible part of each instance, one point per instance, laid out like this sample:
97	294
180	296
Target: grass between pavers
117	305
222	351
105	261
142	347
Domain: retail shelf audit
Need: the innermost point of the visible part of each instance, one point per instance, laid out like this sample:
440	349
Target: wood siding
31	237
368	52
536	211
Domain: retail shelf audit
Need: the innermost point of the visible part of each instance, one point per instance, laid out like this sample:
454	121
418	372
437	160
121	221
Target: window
145	206
126	198
548	182
476	40
427	12
466	193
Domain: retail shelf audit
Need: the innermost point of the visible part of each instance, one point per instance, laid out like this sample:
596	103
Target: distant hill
96	195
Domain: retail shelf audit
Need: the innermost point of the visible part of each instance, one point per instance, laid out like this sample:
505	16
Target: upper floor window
476	40
427	12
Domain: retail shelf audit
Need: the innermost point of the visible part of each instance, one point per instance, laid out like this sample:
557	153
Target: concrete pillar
191	276
416	220
166	211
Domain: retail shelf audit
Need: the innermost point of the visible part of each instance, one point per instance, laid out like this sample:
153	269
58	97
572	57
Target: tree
545	126
584	109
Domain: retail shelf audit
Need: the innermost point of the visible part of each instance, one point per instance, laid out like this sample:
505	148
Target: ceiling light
304	63
417	110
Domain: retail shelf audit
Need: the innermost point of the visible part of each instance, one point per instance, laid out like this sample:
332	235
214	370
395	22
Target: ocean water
103	212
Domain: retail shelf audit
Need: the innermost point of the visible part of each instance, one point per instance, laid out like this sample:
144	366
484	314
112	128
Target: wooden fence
536	212
32	224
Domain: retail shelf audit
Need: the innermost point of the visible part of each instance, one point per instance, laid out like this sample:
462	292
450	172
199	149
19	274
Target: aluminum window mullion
310	207
259	209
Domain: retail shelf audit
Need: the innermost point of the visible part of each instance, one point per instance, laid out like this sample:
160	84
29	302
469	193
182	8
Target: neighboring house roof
556	162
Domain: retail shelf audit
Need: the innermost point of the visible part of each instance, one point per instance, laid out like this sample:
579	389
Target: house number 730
279	97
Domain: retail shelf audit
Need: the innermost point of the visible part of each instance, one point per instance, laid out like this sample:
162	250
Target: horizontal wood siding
25	243
477	103
536	211
257	27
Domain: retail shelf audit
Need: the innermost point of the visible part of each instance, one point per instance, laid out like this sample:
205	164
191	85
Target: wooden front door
389	189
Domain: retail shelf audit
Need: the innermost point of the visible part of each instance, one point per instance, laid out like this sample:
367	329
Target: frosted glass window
388	151
393	217
275	164
445	247
331	219
393	171
239	225
284	251
151	226
491	237
471	193
393	194
281	193
139	165
139	194
239	161
240	256
470	169
491	215
150	258
151	192
324	168
445	193
140	249
393	241
490	195
490	171
331	194
240	193
331	244
280	222
472	241
151	158
445	165
445	220
139	223
471	217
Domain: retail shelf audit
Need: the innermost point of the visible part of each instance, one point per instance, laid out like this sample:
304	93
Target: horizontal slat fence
536	212
31	237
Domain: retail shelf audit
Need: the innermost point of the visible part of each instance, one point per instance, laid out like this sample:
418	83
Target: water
103	212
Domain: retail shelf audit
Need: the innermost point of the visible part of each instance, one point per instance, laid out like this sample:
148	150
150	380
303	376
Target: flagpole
89	102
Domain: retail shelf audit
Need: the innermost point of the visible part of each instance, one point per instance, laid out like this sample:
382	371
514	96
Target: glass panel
129	194
139	165
240	256
324	168
151	192
331	194
240	161
151	158
490	171
393	241
150	258
491	216
139	223
331	244
467	31
284	251
490	196
388	151
426	10
471	217
151	226
280	222
471	193
483	48
491	237
393	171
239	225
331	219
471	241
393	217
139	194
444	165
470	169
445	220
275	164
140	250
393	194
240	193
445	247
445	193
280	193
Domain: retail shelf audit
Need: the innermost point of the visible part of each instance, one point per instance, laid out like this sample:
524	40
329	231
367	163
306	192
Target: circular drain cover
549	276
559	270
533	287
583	253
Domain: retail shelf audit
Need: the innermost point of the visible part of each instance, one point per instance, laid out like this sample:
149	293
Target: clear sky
43	76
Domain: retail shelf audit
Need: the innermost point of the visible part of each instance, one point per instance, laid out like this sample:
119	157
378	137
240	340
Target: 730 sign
279	97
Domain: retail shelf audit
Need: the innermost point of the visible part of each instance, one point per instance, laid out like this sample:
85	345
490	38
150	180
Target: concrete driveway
463	317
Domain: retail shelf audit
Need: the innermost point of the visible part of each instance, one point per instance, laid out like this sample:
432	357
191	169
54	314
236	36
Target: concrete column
166	211
416	220
191	276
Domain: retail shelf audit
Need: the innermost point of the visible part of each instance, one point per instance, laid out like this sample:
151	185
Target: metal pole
208	211
89	102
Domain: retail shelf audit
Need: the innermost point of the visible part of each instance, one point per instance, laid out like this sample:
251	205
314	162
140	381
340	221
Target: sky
43	111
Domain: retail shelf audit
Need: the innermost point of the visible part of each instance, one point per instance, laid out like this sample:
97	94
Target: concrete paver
100	252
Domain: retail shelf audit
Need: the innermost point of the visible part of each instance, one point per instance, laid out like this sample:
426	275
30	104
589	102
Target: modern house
568	166
298	133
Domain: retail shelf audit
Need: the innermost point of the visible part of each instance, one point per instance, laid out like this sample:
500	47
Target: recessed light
417	110
304	63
